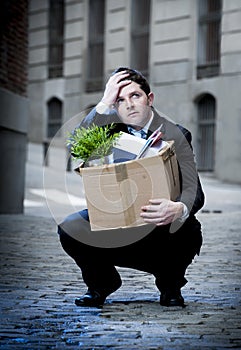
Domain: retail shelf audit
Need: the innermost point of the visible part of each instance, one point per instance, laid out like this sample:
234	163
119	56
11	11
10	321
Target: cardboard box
116	192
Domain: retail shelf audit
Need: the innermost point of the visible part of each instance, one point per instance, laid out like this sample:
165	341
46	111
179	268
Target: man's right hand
113	86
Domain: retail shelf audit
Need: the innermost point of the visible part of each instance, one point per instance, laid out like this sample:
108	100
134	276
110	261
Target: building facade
190	50
14	103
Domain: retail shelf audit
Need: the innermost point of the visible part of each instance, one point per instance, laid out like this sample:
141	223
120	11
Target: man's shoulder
185	132
171	128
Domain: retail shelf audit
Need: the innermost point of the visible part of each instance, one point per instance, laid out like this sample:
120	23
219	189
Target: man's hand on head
113	86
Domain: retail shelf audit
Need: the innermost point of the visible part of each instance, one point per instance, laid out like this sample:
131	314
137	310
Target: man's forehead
129	89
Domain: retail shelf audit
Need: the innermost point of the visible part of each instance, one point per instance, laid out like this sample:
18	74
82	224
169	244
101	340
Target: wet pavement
39	282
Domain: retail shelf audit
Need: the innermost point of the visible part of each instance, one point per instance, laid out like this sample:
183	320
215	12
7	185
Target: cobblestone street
39	283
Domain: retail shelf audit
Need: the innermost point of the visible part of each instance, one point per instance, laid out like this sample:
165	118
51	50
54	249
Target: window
209	37
140	14
54	116
206	107
56	32
95	55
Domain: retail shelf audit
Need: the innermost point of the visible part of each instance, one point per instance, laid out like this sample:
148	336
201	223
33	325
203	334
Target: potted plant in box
93	145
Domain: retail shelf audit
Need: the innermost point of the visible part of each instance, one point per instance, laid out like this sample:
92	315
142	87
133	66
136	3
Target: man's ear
150	98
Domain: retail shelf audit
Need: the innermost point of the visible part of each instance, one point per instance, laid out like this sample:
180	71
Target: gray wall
172	67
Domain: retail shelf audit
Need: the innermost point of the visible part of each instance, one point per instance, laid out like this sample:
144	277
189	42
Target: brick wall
14	45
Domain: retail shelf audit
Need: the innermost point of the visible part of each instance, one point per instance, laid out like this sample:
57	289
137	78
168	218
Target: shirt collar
145	127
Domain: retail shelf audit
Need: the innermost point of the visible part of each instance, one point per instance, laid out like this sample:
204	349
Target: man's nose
129	103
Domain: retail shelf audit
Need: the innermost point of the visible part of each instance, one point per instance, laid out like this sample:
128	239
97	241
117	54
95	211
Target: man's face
133	105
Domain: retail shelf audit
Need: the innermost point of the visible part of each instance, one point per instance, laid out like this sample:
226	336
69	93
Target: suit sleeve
93	117
191	190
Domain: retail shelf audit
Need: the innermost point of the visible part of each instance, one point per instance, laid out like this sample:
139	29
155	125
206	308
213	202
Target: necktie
140	133
143	134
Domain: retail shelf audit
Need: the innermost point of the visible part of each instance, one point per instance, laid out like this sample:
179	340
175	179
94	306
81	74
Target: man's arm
191	190
161	211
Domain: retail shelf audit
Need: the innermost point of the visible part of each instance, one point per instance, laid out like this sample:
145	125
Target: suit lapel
156	122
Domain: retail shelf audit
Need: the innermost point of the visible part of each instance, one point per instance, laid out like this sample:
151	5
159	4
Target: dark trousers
165	255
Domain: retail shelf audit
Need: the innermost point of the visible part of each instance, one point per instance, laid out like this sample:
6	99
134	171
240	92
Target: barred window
56	32
209	37
95	55
54	117
206	107
140	14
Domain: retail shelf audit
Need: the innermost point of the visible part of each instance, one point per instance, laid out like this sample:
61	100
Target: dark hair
135	76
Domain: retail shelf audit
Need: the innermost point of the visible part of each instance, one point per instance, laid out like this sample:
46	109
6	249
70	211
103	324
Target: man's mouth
132	114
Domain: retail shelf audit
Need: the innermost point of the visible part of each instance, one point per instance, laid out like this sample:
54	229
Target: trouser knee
62	235
67	242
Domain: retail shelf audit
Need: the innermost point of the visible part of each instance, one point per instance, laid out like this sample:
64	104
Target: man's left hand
161	211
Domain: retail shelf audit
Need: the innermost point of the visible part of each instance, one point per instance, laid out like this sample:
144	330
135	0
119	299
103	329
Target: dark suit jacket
191	191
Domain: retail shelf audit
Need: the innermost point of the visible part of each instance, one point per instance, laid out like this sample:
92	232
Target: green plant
93	142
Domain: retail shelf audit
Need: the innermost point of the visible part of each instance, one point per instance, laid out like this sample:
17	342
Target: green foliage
93	142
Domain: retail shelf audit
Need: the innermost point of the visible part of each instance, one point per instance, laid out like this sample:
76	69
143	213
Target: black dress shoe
91	299
172	297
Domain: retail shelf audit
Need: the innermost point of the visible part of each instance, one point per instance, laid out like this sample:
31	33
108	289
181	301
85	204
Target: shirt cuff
185	213
102	108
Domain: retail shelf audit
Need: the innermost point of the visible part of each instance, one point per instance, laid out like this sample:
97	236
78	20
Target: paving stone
39	283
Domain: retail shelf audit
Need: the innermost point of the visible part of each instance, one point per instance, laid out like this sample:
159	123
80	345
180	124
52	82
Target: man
174	234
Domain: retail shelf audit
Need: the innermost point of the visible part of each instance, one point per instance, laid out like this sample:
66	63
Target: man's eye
120	100
136	95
